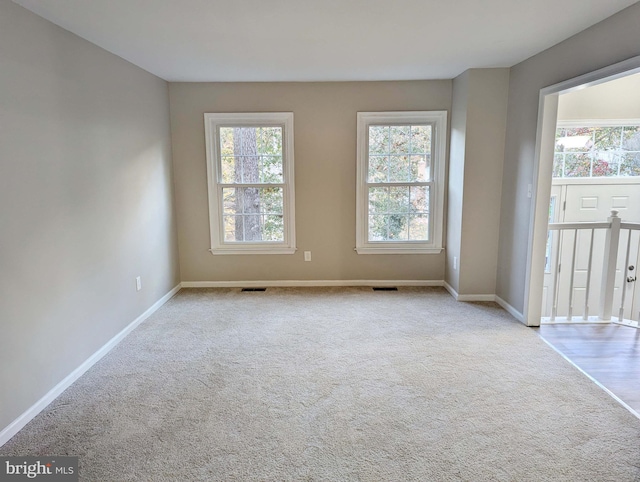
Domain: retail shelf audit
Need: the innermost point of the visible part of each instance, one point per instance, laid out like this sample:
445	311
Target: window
250	179
400	190
587	149
549	251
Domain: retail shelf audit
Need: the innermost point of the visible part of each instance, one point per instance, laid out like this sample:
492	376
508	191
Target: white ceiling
320	40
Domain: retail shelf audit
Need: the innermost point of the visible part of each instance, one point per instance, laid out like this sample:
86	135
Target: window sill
252	250
397	250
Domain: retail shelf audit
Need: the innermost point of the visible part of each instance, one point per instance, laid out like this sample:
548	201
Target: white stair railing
612	230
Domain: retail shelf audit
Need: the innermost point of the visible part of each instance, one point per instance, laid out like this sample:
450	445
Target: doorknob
631	279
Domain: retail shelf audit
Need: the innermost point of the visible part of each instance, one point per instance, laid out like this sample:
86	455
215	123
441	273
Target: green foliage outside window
399	155
597	152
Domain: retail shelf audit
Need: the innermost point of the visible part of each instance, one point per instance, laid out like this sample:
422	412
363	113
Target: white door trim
542	169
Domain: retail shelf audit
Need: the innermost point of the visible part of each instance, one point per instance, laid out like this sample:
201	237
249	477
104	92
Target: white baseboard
510	309
476	297
307	283
458	297
451	291
15	426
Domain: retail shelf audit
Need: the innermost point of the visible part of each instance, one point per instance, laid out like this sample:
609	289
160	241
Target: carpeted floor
337	385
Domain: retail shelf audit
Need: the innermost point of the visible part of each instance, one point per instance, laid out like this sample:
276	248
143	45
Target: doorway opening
582	173
596	170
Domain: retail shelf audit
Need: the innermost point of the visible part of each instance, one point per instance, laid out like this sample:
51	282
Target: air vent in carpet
385	288
254	289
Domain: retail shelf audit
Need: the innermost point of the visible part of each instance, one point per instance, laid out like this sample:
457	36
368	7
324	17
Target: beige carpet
337	385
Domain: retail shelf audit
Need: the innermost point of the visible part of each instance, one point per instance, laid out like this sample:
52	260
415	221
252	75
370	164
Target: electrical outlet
138	283
307	255
455	262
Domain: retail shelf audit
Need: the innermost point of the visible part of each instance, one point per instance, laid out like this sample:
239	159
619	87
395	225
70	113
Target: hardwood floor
608	353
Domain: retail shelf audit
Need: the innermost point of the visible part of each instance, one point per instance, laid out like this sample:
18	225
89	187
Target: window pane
232	204
399	168
558	165
399	200
398	227
410	149
552	216
419	199
399	213
269	141
271	169
233	229
605	163
630	165
394	200
631	138
388	227
420	168
400	136
630	153
606	138
251	155
271	200
378	139
577	165
253	214
378	227
574	139
378	200
419	227
273	228
420	139
378	169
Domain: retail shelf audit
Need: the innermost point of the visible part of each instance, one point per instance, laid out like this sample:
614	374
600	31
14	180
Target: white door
591	202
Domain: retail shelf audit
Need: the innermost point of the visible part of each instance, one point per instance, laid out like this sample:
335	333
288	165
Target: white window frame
212	124
438	121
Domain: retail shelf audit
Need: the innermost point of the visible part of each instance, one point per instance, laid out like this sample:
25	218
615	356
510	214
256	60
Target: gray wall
608	42
475	179
486	127
456	177
85	202
325	176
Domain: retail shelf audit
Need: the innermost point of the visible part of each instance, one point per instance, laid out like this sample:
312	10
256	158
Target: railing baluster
609	266
572	274
585	316
587	292
623	286
558	266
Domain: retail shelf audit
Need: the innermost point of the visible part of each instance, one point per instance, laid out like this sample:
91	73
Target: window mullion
620	149
409	206
256	185
388	155
399	184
